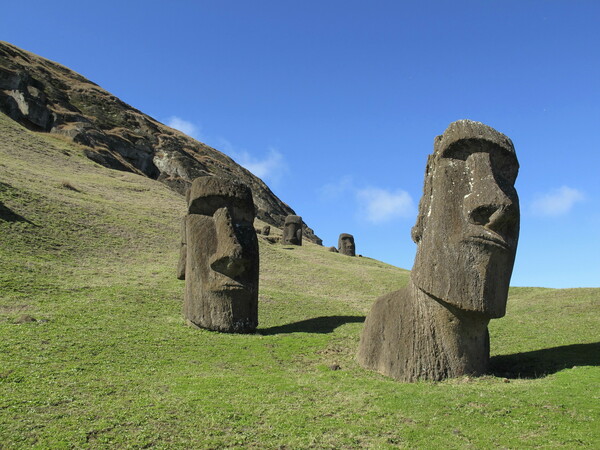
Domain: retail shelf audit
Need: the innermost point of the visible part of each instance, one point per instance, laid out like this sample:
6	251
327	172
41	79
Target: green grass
90	254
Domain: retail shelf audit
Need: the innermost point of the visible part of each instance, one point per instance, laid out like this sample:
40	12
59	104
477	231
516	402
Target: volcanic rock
45	96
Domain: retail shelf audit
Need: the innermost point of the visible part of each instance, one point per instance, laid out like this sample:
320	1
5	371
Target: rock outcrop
45	96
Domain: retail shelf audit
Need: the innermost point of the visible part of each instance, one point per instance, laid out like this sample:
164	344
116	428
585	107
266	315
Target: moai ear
424	203
182	253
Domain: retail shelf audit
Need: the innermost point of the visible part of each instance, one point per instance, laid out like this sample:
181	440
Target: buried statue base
410	336
466	235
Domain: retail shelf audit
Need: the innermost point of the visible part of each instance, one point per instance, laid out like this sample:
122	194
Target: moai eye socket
504	162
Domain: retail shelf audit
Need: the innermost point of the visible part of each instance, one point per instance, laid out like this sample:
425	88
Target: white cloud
557	202
184	126
335	190
270	168
379	205
225	146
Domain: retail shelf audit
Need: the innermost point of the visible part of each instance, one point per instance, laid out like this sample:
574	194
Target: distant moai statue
220	254
266	230
292	230
346	244
466	235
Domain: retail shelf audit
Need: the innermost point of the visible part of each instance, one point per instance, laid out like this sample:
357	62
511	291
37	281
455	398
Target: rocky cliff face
45	96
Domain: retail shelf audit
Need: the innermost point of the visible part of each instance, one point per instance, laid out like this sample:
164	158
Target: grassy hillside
94	351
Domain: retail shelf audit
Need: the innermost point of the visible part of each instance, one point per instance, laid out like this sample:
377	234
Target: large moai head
222	260
468	223
346	244
292	231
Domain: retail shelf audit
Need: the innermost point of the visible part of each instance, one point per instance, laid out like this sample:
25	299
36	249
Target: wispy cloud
271	167
557	202
378	205
184	126
334	190
374	205
225	146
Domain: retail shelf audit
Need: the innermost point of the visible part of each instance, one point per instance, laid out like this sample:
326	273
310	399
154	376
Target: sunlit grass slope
94	351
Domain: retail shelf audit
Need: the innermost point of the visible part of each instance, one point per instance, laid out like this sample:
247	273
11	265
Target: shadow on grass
324	324
539	363
8	215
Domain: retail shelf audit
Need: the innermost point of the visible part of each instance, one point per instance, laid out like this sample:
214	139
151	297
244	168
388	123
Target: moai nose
498	218
228	259
487	204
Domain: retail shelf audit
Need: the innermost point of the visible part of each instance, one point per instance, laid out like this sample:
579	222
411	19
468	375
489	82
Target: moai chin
221	257
292	231
346	244
466	235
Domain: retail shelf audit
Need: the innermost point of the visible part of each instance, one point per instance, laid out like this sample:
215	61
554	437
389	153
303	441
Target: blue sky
335	104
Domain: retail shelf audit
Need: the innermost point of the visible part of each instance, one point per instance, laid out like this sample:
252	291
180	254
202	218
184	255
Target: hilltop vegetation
95	353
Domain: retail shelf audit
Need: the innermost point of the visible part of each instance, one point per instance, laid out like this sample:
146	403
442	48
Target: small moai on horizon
346	245
466	234
292	231
220	254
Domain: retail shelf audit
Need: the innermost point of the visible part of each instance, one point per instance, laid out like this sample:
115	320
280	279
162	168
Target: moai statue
221	257
292	231
346	244
266	230
466	235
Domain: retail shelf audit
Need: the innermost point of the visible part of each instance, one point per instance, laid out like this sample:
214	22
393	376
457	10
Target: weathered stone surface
182	253
346	244
292	230
45	96
221	259
466	234
333	249
410	336
266	230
